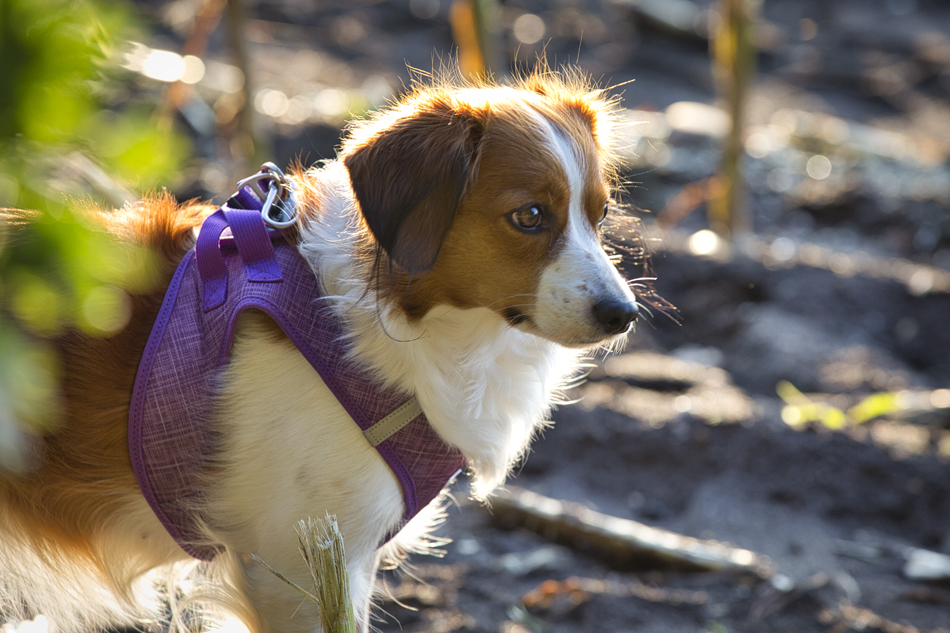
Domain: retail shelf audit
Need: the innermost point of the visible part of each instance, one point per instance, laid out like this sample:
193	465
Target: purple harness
171	438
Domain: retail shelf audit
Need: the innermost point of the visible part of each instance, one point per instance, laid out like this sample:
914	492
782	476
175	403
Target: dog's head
494	197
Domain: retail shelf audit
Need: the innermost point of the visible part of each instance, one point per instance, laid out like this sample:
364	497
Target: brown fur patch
409	180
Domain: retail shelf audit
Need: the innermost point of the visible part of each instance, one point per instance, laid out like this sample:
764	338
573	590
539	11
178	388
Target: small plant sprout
321	545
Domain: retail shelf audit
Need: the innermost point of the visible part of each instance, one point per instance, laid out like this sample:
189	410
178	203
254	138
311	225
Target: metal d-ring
279	195
286	205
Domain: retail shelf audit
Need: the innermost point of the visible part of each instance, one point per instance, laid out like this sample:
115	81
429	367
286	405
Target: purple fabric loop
214	274
171	437
253	243
248	199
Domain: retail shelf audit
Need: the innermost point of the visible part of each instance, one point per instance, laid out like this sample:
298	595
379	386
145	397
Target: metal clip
279	197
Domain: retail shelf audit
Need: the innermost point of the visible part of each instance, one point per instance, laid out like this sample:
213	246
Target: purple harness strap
171	437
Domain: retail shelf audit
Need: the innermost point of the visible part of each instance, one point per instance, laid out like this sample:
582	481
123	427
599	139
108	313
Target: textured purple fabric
214	273
253	244
171	439
247	199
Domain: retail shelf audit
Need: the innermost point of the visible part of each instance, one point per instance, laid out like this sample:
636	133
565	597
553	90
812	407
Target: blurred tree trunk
734	62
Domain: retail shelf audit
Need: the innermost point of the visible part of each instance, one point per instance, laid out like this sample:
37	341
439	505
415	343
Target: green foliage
875	406
57	66
58	70
800	409
134	149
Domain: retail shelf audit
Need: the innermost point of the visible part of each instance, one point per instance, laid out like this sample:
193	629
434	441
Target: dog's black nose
615	315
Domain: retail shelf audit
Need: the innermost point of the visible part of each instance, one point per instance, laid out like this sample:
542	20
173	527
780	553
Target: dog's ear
409	179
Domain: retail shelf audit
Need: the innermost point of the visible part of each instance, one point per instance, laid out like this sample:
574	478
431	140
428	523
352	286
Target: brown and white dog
459	231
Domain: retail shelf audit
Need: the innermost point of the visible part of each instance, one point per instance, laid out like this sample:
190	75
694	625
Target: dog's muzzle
614	316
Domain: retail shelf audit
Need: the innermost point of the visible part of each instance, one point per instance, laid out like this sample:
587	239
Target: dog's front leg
289	454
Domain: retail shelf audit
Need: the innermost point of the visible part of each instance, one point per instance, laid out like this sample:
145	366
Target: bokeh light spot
163	66
529	28
273	103
424	9
818	167
106	309
704	242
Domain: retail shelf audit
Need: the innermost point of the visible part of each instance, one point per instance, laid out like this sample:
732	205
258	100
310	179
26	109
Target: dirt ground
708	455
685	430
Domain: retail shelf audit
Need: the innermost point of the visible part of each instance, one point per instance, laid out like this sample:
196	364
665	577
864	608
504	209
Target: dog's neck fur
467	367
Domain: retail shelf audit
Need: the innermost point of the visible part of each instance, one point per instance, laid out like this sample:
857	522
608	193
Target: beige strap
392	423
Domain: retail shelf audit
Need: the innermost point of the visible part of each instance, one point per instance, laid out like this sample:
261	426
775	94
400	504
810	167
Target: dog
457	239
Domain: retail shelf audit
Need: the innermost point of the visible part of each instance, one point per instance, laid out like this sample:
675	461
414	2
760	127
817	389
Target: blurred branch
244	140
625	543
677	17
734	55
688	21
80	167
206	21
475	29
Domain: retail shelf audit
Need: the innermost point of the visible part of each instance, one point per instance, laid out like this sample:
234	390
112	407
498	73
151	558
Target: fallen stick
622	543
921	564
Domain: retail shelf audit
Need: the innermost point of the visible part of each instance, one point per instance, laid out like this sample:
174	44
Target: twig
625	543
82	169
205	22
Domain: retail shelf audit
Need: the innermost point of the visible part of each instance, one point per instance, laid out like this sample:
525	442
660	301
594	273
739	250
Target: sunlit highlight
818	167
164	65
529	28
704	242
37	625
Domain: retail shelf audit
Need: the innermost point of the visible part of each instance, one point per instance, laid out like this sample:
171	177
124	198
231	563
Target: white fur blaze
582	275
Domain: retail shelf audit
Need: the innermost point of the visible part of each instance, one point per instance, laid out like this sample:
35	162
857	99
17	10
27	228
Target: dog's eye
604	216
529	217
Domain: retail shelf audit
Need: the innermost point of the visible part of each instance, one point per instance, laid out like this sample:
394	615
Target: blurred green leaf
800	409
35	302
132	147
58	65
874	406
29	385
